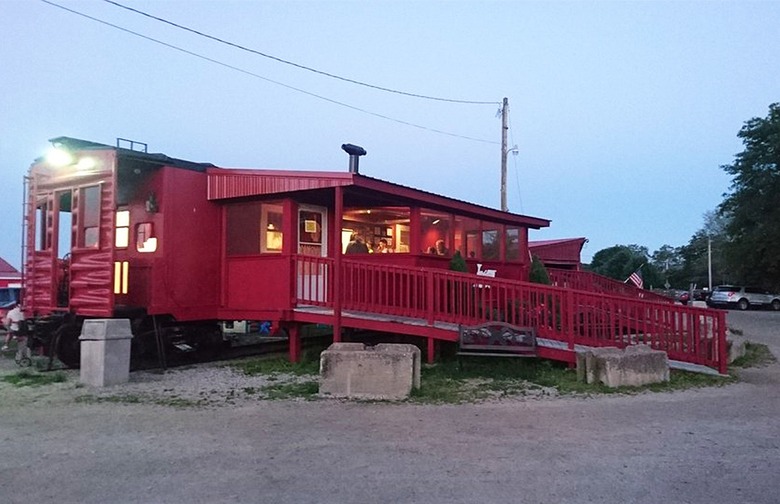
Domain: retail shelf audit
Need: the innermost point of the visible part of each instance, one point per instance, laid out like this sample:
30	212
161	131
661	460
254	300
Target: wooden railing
591	282
572	316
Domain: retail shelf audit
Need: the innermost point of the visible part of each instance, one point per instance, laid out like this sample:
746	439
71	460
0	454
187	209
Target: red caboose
178	246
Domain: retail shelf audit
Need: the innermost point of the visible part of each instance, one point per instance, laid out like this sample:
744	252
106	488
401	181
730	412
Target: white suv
743	297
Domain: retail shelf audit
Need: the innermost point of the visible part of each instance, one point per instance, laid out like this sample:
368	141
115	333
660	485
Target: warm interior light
59	157
435	222
86	163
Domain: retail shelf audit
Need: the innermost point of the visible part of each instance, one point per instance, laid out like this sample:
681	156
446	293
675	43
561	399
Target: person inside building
382	248
357	245
440	248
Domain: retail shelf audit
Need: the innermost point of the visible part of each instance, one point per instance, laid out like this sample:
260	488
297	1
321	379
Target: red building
9	276
177	246
562	254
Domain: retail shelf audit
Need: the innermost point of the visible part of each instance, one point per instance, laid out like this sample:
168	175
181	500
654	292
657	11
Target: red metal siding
186	272
233	183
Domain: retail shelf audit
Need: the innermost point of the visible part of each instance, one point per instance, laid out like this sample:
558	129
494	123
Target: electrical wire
297	65
252	74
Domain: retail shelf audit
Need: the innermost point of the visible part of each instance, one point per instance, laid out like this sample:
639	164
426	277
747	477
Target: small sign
310	226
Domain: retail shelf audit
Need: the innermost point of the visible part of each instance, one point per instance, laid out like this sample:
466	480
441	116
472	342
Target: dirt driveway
699	446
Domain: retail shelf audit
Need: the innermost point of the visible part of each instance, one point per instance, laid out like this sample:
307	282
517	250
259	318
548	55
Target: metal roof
226	183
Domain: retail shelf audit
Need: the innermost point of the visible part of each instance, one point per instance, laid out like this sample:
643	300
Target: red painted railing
591	282
571	316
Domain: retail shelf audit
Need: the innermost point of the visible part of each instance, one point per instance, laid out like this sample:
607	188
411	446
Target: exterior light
59	157
86	163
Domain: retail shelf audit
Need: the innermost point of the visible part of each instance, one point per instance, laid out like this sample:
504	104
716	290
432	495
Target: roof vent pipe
354	151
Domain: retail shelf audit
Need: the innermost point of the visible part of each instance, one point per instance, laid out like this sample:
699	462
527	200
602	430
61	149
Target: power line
297	65
252	74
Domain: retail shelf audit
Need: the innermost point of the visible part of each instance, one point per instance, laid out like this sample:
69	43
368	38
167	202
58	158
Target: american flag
636	278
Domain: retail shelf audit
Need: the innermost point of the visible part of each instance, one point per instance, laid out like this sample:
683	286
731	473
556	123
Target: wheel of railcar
67	345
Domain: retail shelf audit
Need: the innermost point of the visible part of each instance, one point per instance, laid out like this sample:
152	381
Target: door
313	243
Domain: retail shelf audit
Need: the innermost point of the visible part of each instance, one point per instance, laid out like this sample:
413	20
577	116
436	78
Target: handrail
592	282
569	315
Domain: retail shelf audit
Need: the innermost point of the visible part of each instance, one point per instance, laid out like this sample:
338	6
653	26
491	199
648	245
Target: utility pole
709	263
504	128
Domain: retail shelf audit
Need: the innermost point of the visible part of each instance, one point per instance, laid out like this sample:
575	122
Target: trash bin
105	352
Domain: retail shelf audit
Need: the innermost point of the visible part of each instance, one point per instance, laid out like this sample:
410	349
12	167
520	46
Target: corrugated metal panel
226	184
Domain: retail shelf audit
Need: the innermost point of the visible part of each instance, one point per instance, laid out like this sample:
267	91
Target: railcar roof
75	144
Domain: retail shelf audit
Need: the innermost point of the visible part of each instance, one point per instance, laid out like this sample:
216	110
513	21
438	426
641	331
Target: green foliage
538	273
457	263
619	261
27	378
752	251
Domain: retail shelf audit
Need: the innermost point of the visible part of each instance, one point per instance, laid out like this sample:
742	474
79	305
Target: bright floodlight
59	157
86	163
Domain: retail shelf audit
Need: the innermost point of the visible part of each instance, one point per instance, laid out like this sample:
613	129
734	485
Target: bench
496	339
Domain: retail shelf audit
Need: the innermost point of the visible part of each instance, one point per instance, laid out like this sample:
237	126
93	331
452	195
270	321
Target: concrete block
737	346
355	370
634	366
105	352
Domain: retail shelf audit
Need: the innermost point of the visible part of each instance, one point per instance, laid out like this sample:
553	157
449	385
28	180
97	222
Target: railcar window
90	216
145	241
41	241
122	231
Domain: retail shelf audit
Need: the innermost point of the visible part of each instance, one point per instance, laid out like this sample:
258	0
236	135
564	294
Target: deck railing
591	282
572	316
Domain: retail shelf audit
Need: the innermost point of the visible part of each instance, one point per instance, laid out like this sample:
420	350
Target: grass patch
485	378
275	366
29	378
302	390
756	355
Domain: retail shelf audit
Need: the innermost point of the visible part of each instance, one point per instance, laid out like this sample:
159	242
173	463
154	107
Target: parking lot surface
712	445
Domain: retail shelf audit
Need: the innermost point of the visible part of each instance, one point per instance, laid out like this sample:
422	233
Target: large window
435	233
512	244
383	230
491	246
271	238
254	228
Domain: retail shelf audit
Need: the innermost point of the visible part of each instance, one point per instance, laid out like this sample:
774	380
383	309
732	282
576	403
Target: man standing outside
12	321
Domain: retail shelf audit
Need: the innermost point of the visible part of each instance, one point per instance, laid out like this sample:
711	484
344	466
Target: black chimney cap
353	150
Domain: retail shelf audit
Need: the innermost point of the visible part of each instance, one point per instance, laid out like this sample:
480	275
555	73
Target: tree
538	273
620	261
752	208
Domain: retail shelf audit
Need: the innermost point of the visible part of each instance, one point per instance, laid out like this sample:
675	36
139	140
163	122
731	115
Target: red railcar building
177	246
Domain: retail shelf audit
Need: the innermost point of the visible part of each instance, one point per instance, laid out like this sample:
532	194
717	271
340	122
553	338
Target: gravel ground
708	445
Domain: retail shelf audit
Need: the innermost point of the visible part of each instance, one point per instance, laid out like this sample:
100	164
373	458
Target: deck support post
337	256
431	350
294	332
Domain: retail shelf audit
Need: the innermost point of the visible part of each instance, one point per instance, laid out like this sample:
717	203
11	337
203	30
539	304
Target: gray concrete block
105	352
737	346
634	366
354	370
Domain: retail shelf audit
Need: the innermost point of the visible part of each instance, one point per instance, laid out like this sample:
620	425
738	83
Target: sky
622	112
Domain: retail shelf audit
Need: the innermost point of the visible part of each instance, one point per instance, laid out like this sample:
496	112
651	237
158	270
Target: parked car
743	297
